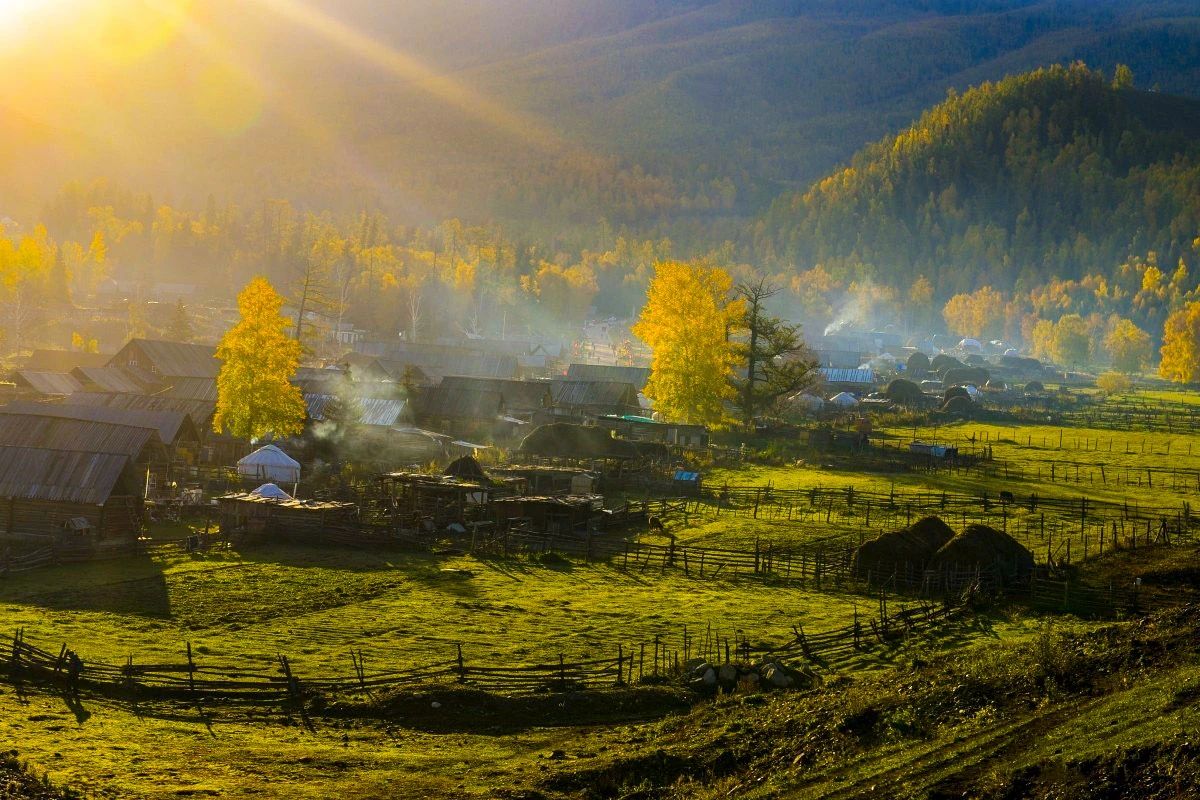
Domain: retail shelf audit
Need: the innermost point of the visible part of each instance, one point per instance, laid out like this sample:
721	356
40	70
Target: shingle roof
638	376
56	433
167	424
35	473
174	359
62	383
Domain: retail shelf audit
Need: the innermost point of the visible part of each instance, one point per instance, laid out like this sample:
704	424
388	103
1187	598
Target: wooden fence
661	658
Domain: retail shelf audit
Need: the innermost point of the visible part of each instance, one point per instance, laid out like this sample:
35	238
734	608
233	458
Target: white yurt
844	399
269	463
970	346
806	402
271	491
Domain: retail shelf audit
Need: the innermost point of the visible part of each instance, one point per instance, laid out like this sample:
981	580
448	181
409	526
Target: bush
1113	383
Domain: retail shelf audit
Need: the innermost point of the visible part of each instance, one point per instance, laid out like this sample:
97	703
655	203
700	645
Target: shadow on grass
103	586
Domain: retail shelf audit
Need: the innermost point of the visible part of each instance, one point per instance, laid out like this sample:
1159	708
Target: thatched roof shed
907	549
985	548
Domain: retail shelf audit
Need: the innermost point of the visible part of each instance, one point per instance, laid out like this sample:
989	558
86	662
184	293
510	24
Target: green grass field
245	607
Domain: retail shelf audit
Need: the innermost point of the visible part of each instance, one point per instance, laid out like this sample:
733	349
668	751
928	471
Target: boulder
776	676
710	677
728	673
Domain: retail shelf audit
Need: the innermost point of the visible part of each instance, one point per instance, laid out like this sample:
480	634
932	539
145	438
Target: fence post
462	668
191	670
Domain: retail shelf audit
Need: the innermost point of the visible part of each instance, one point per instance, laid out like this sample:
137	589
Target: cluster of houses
86	439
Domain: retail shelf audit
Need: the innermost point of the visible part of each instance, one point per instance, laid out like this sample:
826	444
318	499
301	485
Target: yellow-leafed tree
687	321
255	395
1181	345
1128	346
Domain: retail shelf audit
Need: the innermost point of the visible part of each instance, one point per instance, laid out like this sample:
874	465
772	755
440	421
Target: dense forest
1057	173
679	119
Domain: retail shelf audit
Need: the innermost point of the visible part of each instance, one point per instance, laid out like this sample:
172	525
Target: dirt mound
563	440
984	547
906	549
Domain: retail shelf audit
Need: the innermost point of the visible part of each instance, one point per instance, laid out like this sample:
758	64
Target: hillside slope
1054	173
674	116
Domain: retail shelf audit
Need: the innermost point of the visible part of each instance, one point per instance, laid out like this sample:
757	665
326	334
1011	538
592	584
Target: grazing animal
656	525
1006	497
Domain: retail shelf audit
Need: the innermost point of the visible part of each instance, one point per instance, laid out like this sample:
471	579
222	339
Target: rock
435	704
776	677
695	666
558	755
728	673
710	677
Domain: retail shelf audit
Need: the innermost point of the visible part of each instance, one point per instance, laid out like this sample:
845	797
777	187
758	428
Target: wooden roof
172	359
49	383
199	410
638	376
439	402
111	379
517	394
37	473
56	433
168	425
594	393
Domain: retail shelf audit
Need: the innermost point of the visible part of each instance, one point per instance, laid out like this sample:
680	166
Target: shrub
1113	382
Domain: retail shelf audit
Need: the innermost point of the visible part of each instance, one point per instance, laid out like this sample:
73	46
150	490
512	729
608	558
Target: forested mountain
1057	173
565	121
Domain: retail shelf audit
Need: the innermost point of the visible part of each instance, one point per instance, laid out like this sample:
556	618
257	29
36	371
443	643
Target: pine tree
180	327
255	396
777	361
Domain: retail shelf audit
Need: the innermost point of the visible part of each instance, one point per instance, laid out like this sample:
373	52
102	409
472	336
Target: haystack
909	548
984	548
465	469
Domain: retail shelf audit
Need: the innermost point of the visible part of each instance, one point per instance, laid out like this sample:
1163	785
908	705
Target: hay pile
985	548
909	548
563	440
465	469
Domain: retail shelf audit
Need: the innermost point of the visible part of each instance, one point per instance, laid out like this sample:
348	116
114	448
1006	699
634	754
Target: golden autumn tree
686	322
1181	345
978	315
255	395
1128	346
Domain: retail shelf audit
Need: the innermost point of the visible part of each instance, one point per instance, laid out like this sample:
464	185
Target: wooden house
34	383
591	399
609	373
165	359
466	413
644	429
522	399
